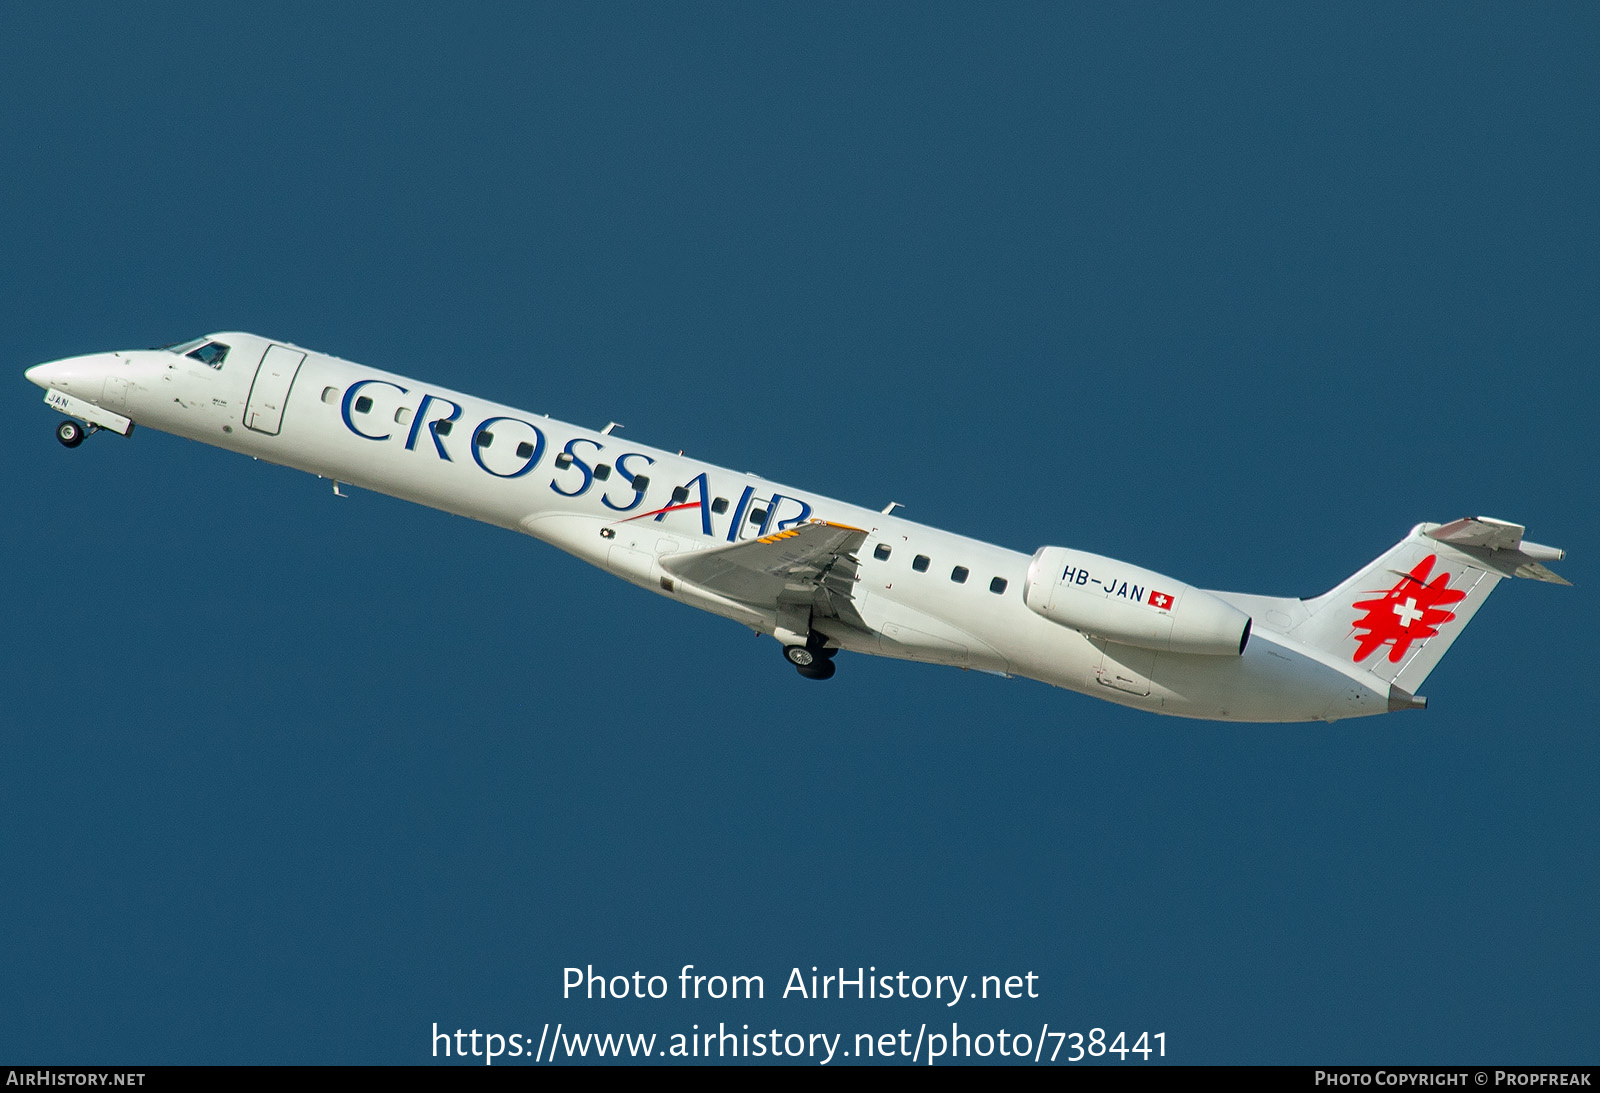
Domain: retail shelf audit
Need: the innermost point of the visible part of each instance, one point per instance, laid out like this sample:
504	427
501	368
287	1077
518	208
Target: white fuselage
509	467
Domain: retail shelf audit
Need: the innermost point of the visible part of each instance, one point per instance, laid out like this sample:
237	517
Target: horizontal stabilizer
1480	531
1499	544
1536	572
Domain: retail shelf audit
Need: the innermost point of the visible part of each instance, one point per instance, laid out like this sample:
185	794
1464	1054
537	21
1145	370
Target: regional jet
818	575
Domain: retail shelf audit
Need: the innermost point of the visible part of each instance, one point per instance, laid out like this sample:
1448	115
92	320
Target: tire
822	669
800	656
70	433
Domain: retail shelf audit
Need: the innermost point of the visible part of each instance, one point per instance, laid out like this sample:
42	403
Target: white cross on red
1408	612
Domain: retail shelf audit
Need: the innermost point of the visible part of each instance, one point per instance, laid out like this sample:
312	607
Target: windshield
212	353
181	348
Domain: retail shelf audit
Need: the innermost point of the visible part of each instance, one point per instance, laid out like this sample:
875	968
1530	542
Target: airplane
821	576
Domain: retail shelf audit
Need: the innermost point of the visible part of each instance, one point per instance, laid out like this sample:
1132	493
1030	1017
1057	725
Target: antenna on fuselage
612	425
891	506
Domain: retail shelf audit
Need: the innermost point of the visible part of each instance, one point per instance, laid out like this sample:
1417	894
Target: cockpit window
212	353
180	348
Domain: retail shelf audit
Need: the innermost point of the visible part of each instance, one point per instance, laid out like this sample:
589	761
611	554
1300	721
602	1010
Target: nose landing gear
70	433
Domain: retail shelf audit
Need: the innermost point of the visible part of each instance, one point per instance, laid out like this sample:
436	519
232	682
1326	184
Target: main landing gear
70	433
811	661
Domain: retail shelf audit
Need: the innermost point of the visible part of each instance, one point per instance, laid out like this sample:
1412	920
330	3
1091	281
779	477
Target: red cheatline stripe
658	512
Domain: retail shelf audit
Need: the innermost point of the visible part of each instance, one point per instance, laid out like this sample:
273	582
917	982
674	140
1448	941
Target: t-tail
1398	616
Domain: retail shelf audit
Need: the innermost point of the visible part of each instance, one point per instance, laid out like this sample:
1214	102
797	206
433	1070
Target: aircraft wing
813	563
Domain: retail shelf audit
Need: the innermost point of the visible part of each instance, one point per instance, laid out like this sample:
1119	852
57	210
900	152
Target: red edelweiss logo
1412	610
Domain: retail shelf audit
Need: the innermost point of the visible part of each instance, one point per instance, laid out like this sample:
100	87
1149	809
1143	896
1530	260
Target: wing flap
786	566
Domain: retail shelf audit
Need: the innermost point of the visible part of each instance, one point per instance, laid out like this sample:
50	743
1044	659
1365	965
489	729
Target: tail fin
1399	615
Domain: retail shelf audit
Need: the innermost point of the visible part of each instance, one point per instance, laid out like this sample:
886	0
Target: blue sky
1238	294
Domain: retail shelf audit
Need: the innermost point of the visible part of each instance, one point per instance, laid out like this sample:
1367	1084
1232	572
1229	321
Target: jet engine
1109	599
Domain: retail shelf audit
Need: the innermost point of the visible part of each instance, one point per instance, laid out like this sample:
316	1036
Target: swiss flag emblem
1161	600
1413	610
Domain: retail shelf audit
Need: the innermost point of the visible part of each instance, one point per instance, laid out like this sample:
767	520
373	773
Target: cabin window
920	563
758	516
641	482
363	405
484	439
719	506
330	395
563	461
441	428
959	574
212	353
998	586
881	552
602	472
524	450
680	495
402	416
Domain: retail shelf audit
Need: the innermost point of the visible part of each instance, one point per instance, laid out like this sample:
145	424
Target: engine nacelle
1109	599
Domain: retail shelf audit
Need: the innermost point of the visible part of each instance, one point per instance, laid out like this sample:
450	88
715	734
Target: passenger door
270	391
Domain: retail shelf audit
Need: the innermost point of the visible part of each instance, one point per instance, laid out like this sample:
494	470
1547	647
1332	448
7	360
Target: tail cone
1404	700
